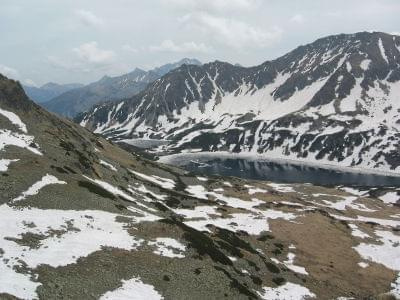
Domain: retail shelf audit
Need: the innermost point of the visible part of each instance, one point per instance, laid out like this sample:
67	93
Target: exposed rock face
333	101
79	100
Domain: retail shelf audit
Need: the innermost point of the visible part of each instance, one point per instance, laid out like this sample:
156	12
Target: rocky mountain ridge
48	91
334	101
75	101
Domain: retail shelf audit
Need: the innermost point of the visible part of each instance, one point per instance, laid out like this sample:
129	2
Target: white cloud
91	53
9	72
334	14
395	33
232	32
187	47
59	63
213	5
30	82
129	48
298	18
88	18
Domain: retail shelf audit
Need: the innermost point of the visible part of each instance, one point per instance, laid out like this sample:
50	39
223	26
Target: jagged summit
332	101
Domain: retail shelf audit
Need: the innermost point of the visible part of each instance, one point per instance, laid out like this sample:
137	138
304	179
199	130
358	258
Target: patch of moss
231	249
237	285
279	280
253	264
201	242
28	239
256	280
277	251
272	268
197	271
59	169
69	169
265	237
235	241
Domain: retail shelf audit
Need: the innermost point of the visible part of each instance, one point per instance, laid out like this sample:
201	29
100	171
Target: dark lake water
282	172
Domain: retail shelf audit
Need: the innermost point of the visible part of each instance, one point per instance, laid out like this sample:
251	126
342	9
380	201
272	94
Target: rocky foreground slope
82	219
334	101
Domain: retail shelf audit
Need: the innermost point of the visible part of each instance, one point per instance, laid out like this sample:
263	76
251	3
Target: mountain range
83	219
334	101
48	91
79	100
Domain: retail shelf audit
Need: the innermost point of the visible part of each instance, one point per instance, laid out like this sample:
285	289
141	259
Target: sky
80	41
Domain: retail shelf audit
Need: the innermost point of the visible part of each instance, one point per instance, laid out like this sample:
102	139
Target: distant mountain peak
109	88
162	70
48	91
189	61
49	85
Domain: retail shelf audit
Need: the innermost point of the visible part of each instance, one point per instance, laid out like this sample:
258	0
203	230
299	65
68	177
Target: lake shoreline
171	158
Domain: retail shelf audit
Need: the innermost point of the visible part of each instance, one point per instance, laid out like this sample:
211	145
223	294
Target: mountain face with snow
334	101
81	218
48	91
76	101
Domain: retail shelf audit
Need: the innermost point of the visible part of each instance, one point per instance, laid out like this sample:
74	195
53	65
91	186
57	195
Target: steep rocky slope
334	101
82	219
73	102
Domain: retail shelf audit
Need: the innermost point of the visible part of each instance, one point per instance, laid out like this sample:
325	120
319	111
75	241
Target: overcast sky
81	40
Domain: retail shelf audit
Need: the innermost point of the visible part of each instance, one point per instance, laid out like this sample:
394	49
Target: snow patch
198	212
357	232
35	188
168	247
110	188
9	138
289	263
253	191
347	202
133	289
253	224
391	197
283	188
383	51
288	291
165	183
4	163
365	64
13	118
108	165
386	253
